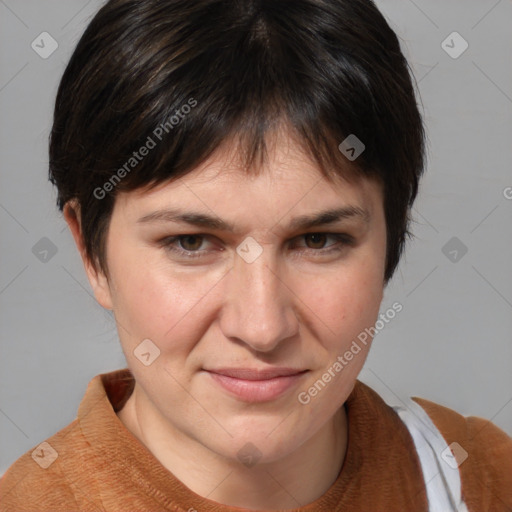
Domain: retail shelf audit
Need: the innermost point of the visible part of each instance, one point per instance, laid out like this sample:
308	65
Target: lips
257	374
256	385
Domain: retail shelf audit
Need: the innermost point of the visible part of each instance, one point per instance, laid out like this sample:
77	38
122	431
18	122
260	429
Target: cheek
153	300
348	306
343	304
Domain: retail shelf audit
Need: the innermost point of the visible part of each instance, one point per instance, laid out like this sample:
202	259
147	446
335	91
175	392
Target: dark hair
181	77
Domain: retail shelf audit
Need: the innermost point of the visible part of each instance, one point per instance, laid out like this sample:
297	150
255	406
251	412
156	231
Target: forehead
289	179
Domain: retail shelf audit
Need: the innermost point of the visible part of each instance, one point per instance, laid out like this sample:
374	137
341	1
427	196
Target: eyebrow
203	220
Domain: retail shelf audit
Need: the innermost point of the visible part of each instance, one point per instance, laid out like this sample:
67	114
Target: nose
259	305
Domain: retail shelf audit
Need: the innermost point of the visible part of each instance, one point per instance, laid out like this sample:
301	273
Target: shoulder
44	478
484	456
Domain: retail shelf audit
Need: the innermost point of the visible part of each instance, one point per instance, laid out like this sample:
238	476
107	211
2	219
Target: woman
284	139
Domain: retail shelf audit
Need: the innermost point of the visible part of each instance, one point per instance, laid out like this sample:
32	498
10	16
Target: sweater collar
367	414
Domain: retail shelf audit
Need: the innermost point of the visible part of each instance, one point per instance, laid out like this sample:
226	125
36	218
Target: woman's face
247	286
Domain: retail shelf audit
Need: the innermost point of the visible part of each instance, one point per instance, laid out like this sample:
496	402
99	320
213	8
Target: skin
294	306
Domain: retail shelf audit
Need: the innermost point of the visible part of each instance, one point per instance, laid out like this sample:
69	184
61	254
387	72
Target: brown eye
323	244
317	240
190	242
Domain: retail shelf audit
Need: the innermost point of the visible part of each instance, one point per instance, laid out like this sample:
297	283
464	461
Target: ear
97	278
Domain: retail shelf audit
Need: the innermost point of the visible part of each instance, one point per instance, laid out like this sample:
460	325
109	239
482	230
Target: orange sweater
96	464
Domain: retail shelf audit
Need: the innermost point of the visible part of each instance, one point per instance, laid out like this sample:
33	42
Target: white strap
442	482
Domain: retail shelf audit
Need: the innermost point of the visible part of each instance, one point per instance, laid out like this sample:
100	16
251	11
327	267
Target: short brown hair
199	72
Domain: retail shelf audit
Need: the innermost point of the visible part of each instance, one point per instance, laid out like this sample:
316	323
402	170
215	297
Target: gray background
451	343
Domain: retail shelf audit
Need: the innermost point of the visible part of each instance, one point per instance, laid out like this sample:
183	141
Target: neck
292	481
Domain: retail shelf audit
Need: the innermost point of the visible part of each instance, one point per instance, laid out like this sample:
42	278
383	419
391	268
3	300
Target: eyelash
343	240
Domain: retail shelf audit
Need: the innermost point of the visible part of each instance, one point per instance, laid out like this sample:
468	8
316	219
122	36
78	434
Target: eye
190	242
316	242
189	245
